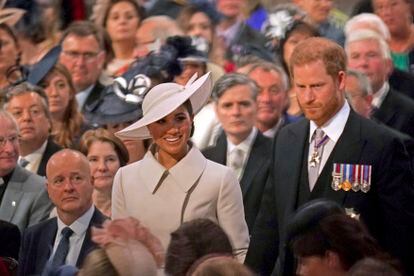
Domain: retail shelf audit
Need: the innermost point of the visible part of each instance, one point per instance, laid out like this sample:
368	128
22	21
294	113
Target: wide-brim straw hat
163	99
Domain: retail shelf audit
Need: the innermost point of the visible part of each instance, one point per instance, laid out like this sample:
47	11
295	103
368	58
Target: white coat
193	188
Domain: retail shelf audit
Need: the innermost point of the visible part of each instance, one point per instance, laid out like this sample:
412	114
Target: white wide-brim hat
163	99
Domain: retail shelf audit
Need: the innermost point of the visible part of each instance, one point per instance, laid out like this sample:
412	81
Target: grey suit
25	201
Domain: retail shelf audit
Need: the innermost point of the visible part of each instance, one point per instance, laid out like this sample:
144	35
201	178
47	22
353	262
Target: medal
346	185
336	177
366	178
356	181
315	159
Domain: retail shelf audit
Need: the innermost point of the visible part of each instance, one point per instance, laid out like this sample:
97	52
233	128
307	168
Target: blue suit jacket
37	245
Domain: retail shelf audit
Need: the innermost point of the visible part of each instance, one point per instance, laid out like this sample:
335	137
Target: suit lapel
255	162
46	241
97	219
220	149
386	112
297	138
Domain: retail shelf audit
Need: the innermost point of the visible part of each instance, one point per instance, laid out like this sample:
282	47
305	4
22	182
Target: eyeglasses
87	56
14	139
35	111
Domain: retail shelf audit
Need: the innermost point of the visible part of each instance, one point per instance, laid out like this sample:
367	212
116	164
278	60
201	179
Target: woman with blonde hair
106	154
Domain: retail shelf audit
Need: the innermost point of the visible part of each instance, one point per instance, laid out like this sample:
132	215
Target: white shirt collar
37	154
380	95
81	96
80	225
245	145
335	126
272	131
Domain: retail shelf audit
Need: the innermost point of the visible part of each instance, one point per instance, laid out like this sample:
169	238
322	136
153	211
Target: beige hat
163	99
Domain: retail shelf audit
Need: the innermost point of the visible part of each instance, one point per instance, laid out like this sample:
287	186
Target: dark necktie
63	248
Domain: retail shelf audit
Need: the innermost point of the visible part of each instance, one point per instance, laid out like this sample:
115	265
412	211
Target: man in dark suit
235	104
369	53
83	53
29	106
272	99
67	238
335	154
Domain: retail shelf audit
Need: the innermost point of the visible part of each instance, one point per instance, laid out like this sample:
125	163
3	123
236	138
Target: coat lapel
386	112
46	240
297	137
255	162
97	219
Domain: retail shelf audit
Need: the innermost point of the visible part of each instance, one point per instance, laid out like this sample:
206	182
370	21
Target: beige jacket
194	188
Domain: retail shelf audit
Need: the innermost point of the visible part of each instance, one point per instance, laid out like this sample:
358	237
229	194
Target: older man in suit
369	53
67	238
83	53
29	106
23	197
336	154
241	146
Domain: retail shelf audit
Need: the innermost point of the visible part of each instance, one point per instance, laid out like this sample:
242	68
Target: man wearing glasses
23	197
83	53
29	106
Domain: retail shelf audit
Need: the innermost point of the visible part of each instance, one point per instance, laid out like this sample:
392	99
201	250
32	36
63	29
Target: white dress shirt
245	147
271	132
34	158
333	128
79	228
380	95
81	96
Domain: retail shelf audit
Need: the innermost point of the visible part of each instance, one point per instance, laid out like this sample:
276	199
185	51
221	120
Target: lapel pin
14	203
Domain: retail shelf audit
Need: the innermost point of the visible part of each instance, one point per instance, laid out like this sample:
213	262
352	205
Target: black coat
255	173
397	111
387	209
51	148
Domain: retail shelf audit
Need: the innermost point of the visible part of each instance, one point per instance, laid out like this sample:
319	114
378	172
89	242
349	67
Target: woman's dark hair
140	10
103	135
193	240
341	234
297	27
189	107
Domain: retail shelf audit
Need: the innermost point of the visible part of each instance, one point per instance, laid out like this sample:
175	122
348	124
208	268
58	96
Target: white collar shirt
245	146
81	96
379	96
333	129
35	157
79	228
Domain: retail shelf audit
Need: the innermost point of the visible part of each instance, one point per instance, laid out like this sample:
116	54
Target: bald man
65	239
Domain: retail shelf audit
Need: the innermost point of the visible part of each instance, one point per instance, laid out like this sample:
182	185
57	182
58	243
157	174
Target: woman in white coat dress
174	182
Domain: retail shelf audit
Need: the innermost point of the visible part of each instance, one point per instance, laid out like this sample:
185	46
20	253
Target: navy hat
39	70
309	216
114	110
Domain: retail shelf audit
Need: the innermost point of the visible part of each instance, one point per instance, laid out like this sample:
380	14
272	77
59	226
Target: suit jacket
25	201
397	111
255	174
51	148
93	100
38	240
402	82
387	209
